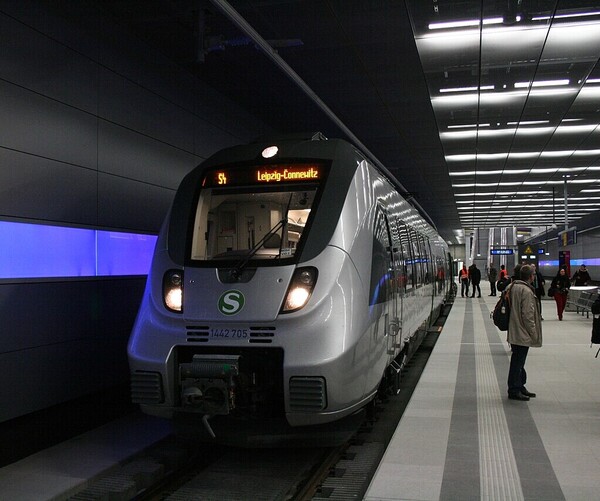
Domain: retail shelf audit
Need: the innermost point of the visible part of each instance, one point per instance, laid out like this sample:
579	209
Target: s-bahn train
290	280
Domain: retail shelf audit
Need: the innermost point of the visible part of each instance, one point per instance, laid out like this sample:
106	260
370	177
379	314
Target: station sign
501	252
567	237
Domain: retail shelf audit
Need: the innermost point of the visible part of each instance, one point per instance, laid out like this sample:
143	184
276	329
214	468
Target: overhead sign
501	252
567	237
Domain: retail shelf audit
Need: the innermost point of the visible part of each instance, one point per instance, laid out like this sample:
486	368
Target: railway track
177	470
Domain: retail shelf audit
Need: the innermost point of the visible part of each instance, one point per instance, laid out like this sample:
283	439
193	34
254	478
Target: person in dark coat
581	276
561	285
475	275
538	285
492	277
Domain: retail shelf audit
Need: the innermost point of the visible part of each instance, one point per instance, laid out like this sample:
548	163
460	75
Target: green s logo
231	302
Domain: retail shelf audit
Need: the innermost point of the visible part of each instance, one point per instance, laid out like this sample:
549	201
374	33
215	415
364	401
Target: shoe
527	393
560	318
478	296
491	294
542	318
518	396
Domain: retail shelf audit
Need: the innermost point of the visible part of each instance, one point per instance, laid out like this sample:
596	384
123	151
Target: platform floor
59	471
461	438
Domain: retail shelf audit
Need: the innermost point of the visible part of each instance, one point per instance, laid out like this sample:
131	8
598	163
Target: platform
61	470
460	436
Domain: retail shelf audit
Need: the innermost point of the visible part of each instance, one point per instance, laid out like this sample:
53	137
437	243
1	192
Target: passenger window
407	273
381	268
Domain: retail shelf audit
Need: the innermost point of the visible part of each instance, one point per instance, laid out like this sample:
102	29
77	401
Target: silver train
290	281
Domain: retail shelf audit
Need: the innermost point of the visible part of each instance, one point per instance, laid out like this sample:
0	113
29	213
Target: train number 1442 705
228	333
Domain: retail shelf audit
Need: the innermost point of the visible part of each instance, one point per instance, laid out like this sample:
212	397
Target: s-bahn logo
231	302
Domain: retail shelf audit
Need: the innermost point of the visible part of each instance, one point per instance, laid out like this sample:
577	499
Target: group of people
559	288
525	291
470	277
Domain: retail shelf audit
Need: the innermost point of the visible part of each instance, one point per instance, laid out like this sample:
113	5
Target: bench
582	300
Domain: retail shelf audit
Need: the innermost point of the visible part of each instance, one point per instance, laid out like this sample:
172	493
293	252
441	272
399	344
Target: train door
383	297
392	322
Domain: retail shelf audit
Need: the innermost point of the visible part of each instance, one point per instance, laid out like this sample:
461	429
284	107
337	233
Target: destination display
263	174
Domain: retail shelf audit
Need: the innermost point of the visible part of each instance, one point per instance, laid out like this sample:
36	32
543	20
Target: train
290	282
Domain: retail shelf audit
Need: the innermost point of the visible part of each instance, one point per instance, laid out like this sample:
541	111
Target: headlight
173	290
300	289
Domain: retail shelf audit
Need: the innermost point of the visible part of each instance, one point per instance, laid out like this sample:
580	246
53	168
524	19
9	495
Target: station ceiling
484	110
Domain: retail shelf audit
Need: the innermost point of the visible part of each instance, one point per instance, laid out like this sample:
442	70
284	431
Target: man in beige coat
524	331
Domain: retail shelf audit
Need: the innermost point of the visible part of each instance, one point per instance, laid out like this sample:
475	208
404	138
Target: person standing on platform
503	279
492	277
464	281
581	276
538	286
560	286
475	274
524	331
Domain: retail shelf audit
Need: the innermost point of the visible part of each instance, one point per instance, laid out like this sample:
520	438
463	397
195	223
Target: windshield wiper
239	267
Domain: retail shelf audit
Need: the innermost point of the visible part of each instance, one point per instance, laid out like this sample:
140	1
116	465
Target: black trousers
493	287
517	377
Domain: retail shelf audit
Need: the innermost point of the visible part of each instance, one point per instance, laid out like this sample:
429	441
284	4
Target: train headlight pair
173	290
300	289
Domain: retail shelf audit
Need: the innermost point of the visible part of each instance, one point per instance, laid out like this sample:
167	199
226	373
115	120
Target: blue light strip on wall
594	261
42	251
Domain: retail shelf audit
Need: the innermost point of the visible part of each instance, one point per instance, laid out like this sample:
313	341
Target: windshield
260	224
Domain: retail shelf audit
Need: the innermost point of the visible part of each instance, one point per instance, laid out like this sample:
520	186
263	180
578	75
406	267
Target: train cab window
253	219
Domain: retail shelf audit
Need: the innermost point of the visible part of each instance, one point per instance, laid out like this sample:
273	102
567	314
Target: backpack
501	313
502	283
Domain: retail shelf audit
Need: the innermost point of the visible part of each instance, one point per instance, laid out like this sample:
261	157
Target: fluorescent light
534	131
565	16
467	126
468	89
508	172
464	24
541	83
529	122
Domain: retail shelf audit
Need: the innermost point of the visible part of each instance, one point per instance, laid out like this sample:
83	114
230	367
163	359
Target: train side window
426	260
401	273
408	275
416	258
398	255
380	289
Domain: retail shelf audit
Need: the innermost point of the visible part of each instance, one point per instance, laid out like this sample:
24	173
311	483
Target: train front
233	328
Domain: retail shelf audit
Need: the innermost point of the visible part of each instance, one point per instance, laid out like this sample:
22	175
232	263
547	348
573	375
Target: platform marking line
499	476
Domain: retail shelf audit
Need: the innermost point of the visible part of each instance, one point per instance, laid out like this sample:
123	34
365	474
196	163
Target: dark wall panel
46	190
96	129
71	344
129	154
41	126
131	203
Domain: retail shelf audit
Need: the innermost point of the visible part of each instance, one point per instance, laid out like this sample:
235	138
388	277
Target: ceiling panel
480	119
